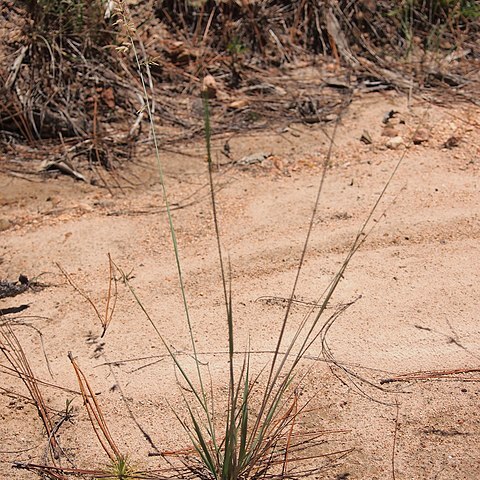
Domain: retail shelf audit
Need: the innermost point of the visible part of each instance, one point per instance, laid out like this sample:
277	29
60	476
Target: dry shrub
407	45
61	69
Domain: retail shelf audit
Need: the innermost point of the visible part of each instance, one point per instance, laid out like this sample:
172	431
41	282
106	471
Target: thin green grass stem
201	397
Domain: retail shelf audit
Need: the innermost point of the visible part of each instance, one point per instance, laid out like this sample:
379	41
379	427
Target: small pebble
421	135
395	143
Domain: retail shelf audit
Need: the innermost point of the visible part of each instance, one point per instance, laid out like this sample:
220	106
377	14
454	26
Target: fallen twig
433	374
112	292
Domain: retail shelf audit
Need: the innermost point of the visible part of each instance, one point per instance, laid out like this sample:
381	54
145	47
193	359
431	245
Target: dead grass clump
64	80
58	44
407	45
276	28
264	33
63	77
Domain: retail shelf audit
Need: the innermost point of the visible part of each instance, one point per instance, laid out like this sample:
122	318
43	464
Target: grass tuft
121	469
255	437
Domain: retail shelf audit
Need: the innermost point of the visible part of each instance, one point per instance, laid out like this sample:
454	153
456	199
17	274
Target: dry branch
111	298
434	375
15	355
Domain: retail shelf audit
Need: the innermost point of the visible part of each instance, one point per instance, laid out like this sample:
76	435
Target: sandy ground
417	275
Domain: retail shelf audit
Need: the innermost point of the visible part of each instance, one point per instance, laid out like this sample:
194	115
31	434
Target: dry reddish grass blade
11	371
45	471
435	375
119	466
15	355
95	414
111	298
58	473
282	452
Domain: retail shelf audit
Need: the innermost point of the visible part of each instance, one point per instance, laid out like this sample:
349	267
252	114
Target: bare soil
417	275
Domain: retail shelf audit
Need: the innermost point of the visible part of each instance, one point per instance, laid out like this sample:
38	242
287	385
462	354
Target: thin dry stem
95	413
112	292
14	353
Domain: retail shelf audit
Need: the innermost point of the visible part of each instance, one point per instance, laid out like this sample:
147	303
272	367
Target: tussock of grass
249	442
245	445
